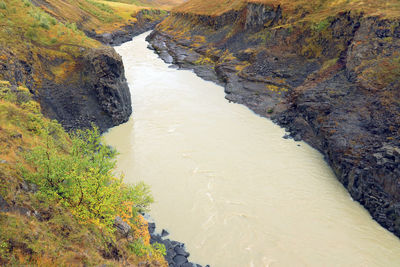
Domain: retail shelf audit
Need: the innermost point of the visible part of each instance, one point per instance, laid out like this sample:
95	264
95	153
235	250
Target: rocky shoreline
330	105
176	256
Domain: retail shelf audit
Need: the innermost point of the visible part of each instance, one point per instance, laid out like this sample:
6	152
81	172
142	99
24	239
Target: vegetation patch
64	194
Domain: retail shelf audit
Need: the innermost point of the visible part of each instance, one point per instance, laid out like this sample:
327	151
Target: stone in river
164	233
179	260
181	251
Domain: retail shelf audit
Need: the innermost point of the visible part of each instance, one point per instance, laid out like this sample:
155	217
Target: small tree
81	178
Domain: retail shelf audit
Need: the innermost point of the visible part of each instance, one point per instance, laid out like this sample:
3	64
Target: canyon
331	83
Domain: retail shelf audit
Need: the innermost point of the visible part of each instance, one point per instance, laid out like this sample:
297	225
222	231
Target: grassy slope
96	15
30	34
213	8
55	237
319	9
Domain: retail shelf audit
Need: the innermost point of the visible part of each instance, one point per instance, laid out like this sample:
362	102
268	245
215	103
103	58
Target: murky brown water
229	186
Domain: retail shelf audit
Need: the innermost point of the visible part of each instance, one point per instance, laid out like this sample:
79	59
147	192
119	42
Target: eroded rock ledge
334	85
97	92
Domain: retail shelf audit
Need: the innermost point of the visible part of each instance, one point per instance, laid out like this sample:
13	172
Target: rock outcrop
96	94
333	83
93	91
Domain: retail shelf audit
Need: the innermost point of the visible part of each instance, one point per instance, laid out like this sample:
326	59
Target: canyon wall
331	81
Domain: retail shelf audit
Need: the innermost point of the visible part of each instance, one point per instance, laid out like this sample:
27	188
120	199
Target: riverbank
323	93
176	254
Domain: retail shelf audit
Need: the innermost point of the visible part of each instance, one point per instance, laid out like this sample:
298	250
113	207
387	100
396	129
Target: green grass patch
101	6
321	26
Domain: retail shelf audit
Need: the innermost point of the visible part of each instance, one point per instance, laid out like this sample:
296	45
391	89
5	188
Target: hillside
297	9
101	16
329	73
50	181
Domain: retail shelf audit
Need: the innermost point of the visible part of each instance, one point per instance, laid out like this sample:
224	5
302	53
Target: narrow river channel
228	185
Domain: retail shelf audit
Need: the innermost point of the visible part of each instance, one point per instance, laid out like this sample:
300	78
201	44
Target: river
228	185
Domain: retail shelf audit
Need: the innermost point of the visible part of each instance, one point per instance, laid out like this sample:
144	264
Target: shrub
141	249
52	20
320	26
43	19
3	5
72	26
4	249
103	7
44	24
81	179
31	106
31	34
27	3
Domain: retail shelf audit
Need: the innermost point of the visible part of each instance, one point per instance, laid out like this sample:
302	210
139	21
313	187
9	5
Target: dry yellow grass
85	13
124	10
162	4
384	8
318	9
213	8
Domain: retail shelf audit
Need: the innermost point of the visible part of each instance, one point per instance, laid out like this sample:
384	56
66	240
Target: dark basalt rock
106	72
122	227
179	260
98	95
181	251
176	256
11	207
257	15
4	206
164	233
152	227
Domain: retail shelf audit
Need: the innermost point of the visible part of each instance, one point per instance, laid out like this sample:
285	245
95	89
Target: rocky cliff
92	90
330	78
98	93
